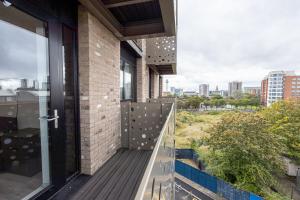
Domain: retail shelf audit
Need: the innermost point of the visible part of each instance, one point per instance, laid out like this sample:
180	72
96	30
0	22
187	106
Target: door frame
57	137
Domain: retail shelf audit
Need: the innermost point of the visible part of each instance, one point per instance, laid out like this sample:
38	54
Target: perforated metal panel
142	124
146	122
151	126
161	51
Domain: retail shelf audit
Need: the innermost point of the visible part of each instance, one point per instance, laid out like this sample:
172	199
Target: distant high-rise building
264	91
36	84
24	83
224	93
252	90
204	90
234	88
278	85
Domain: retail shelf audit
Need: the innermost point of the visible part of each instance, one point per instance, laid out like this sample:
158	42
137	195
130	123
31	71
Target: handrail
146	177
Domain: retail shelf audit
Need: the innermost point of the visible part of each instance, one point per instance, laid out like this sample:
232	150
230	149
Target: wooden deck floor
119	177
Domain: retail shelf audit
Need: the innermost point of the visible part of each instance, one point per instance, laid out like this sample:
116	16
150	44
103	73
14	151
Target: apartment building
204	90
264	91
80	113
234	88
291	86
256	91
278	85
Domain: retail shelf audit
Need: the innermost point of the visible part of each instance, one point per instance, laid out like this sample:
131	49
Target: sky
31	61
235	40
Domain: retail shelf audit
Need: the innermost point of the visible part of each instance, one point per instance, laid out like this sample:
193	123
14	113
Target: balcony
161	54
132	19
144	167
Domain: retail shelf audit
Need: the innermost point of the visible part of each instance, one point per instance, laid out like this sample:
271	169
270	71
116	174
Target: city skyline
229	41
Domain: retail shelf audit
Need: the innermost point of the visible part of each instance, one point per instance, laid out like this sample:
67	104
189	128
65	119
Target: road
184	191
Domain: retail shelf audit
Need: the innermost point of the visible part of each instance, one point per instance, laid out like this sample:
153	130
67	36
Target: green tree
243	152
194	102
284	120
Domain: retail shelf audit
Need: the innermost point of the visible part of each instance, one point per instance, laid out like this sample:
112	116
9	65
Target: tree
284	120
194	102
243	152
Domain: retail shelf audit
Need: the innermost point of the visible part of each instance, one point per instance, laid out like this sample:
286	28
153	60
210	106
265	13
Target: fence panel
213	184
229	192
255	197
203	179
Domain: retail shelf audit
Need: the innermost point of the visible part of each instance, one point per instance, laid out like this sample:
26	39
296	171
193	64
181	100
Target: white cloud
224	40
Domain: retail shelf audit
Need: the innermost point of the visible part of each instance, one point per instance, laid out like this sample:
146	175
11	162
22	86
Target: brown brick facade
155	85
142	73
291	87
99	71
264	92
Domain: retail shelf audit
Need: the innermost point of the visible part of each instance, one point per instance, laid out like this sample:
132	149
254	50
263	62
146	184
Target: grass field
193	126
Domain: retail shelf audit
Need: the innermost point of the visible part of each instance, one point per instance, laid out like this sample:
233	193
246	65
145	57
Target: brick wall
155	85
99	71
291	87
142	73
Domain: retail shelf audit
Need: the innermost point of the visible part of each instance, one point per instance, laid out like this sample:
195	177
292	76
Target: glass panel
127	81
24	98
122	80
69	101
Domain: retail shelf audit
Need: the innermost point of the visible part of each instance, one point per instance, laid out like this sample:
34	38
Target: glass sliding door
24	104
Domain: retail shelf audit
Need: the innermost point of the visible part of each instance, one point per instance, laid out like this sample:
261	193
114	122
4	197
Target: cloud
224	40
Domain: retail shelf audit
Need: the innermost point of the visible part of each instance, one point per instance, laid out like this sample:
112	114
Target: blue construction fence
190	154
213	184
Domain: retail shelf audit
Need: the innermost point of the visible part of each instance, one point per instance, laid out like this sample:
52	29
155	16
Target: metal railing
158	181
150	126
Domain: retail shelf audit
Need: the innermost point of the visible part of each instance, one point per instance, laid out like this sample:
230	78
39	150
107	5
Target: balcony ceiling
162	55
134	19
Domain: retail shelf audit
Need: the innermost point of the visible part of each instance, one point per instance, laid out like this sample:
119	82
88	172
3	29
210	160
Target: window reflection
24	97
127	73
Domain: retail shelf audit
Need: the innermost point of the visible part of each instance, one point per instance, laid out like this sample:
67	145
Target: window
127	76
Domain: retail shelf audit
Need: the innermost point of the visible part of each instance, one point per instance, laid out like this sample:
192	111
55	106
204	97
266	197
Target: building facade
234	88
291	88
264	91
204	90
255	91
279	85
74	72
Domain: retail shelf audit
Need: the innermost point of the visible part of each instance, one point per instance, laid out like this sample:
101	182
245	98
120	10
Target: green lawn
193	128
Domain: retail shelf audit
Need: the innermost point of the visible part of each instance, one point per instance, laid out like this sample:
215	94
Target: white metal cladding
161	51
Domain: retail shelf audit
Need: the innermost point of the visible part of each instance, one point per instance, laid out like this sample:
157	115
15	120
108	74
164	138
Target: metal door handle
52	119
55	118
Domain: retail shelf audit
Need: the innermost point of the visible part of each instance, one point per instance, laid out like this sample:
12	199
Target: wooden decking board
125	180
106	176
130	188
118	179
119	176
99	176
141	173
